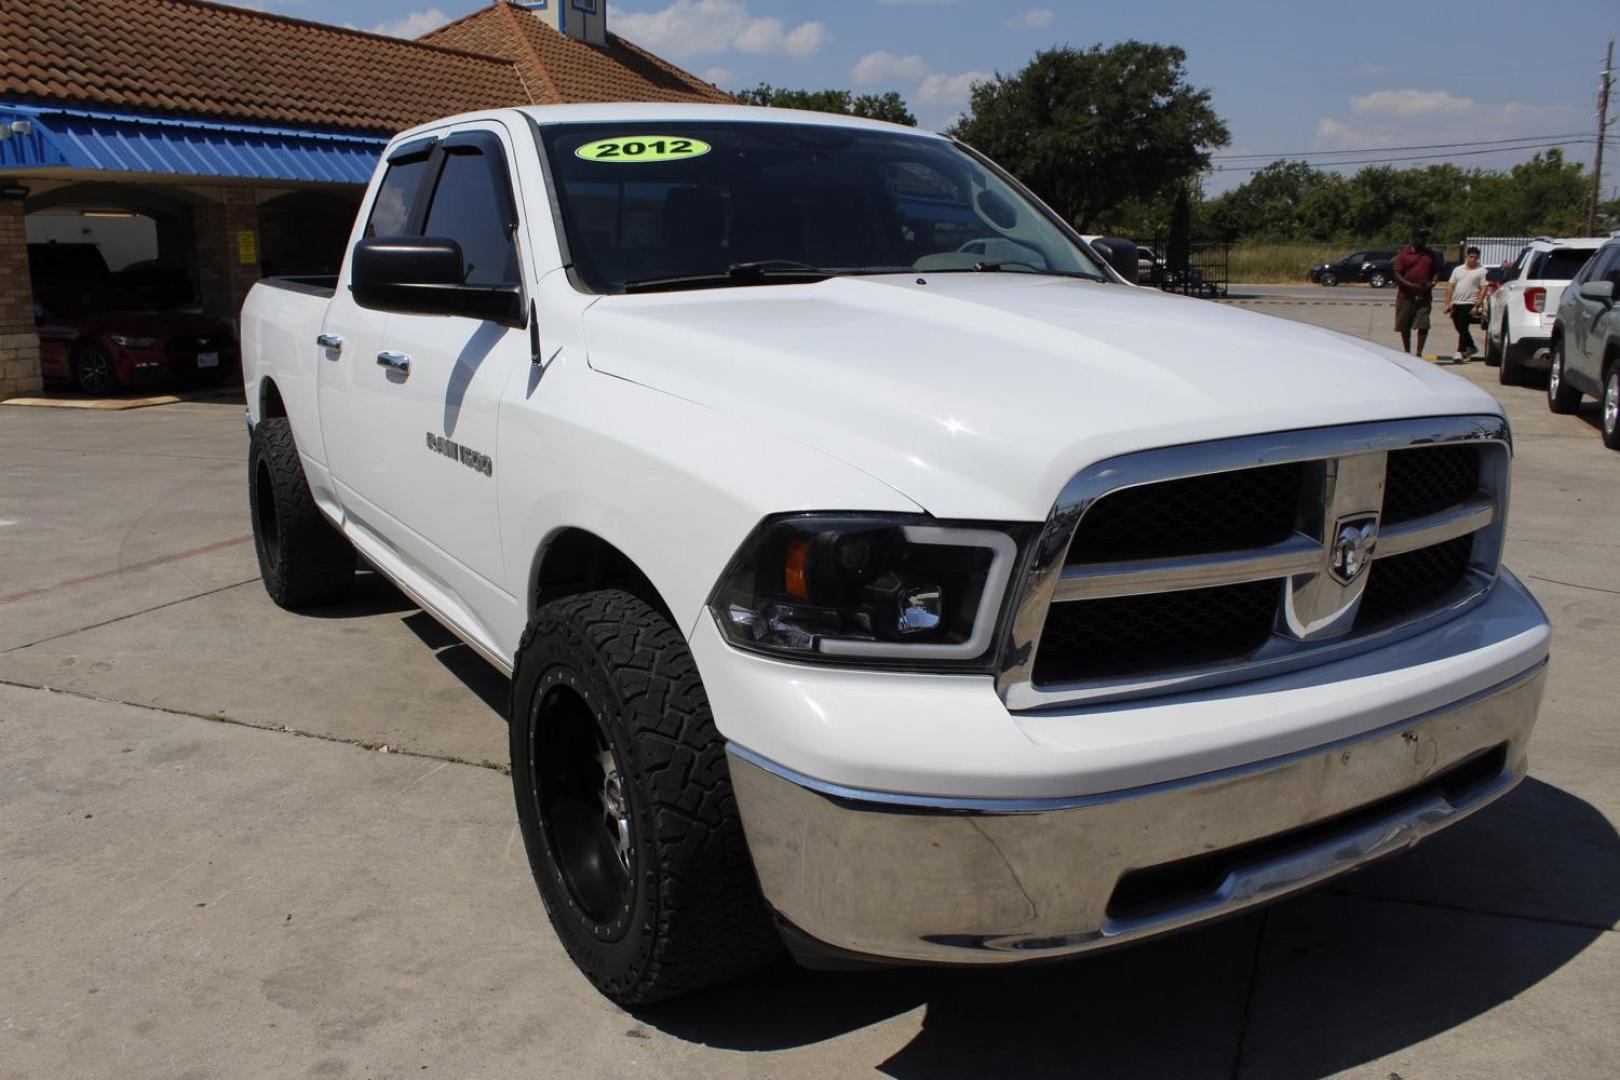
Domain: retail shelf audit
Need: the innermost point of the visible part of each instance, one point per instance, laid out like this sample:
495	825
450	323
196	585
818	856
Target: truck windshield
672	205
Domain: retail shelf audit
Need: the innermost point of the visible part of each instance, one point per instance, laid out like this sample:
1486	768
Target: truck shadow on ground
374	594
1373	964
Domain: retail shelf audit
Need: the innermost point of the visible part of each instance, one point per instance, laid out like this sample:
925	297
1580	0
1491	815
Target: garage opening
115	291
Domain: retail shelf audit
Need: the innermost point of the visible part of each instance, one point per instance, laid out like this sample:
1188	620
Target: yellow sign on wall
247	247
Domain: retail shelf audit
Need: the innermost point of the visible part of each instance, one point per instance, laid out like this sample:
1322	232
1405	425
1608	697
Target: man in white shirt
1464	294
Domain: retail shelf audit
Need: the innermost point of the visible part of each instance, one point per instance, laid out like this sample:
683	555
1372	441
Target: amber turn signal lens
798	552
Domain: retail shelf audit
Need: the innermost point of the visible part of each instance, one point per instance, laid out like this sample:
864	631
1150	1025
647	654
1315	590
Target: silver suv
1586	342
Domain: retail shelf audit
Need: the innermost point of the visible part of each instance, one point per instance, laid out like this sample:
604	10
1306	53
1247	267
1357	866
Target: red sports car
104	331
104	352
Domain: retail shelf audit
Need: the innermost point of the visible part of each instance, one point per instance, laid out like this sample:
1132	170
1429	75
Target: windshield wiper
783	271
1002	265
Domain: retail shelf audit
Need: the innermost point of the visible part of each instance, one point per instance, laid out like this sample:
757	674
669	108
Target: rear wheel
1611	408
1561	396
93	371
1378	280
303	560
624	798
1511	371
1492	356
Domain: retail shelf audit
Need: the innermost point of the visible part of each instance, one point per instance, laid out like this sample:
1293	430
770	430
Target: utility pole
1602	133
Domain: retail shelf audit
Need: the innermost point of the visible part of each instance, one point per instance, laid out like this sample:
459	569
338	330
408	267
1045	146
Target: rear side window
1563	264
392	211
468	208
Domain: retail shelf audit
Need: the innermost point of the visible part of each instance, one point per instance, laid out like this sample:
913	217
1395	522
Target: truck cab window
467	208
392	210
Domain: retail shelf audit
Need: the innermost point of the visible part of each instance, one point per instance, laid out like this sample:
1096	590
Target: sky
1291	79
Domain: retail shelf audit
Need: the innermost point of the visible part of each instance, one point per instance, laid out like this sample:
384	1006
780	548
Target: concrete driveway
210	868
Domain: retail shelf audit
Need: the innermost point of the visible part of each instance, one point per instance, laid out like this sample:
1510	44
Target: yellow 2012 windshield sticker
641	149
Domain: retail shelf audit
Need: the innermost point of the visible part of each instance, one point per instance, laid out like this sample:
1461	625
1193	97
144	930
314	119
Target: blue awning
52	137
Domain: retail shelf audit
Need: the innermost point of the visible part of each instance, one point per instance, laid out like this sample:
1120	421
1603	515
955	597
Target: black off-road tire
303	560
1562	398
686	910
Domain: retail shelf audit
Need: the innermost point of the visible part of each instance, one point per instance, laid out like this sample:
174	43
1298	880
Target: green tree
889	106
1091	129
1382	204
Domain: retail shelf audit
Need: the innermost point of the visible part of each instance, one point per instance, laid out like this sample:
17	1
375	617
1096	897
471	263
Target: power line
1384	149
1415	157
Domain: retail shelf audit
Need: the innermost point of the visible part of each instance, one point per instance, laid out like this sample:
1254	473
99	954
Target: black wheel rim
95	372
264	508
584	807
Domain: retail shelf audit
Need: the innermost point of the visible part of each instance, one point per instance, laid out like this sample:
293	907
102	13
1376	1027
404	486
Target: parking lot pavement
206	869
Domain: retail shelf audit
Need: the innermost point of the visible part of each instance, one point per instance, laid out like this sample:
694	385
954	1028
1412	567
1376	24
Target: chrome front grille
1222	561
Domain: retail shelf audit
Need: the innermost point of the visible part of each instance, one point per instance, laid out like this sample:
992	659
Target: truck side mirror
1121	254
1601	291
426	276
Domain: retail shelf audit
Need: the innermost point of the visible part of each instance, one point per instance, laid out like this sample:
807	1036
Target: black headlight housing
871	589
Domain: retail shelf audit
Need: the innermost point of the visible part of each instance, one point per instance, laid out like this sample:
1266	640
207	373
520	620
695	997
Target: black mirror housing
1121	254
424	276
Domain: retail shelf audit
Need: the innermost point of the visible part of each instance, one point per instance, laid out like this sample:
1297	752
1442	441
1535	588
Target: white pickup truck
880	572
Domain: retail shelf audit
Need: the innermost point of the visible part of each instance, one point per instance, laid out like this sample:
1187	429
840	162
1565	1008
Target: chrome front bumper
986	881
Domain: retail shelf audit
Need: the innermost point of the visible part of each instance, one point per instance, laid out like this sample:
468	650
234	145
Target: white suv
1519	321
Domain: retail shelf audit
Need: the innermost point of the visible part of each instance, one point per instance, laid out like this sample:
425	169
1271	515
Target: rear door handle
398	361
330	341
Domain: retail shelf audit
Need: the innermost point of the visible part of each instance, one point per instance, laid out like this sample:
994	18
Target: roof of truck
674	112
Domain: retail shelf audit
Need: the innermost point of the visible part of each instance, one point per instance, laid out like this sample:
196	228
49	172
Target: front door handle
398	361
330	341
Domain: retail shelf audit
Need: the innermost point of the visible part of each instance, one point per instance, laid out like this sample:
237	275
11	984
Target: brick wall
222	278
19	343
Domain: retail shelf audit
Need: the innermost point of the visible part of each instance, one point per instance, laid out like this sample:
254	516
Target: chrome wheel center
615	809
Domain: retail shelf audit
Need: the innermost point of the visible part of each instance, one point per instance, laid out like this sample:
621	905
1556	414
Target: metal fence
1208	271
1495	250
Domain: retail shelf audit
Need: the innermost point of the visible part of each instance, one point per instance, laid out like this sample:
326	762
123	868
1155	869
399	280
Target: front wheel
624	798
1611	409
93	371
1329	280
1562	398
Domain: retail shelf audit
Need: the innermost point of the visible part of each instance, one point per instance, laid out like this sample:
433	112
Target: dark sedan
1373	268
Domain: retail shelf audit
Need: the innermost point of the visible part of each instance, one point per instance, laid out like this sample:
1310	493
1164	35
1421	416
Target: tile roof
202	59
558	70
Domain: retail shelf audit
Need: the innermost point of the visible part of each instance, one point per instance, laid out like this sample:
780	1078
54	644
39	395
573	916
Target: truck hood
980	395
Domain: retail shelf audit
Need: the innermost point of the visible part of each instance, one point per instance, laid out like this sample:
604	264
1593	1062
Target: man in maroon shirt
1416	267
